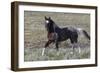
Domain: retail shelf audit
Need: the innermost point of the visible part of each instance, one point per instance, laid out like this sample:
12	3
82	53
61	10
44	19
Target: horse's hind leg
74	43
73	48
77	45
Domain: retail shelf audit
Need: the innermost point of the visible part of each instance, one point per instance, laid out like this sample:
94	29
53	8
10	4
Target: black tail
86	34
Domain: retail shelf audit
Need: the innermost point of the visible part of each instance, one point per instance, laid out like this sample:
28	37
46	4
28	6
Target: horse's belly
62	38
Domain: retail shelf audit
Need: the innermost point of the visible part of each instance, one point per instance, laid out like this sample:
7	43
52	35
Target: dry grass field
35	36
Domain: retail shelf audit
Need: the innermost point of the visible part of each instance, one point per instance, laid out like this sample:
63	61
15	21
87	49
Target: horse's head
49	23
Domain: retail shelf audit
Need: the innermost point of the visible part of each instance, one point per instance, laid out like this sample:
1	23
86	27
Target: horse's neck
55	26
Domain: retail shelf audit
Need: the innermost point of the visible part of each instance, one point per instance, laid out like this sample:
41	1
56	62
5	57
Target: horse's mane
55	25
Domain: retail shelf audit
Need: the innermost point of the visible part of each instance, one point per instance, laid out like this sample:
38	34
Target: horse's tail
86	34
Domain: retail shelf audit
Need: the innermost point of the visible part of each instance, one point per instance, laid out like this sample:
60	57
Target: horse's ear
45	17
49	18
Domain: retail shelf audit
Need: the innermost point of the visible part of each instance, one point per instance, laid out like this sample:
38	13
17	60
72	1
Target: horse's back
70	31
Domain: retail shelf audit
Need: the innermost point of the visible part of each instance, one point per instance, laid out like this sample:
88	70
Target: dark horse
57	34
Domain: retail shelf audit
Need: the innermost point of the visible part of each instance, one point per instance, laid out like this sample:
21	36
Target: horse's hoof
71	52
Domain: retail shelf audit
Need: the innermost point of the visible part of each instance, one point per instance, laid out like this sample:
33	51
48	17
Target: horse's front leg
56	44
57	47
46	45
48	42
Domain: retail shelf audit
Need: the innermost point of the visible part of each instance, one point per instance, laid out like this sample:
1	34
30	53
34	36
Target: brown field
35	36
